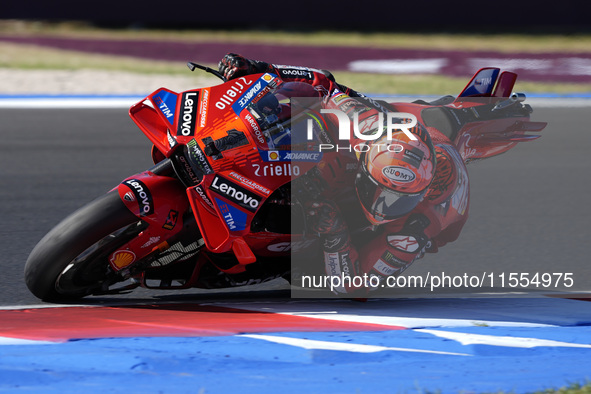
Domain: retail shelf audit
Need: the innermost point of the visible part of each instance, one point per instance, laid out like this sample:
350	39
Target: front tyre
71	261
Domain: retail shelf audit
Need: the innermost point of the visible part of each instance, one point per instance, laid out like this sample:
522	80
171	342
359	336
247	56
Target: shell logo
273	155
267	77
122	258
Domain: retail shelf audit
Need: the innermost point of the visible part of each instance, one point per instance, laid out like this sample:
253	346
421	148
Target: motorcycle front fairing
160	203
169	120
219	151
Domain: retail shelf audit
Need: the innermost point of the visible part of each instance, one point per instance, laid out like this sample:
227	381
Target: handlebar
192	66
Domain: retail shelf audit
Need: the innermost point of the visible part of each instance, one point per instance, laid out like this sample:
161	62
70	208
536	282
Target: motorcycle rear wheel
71	261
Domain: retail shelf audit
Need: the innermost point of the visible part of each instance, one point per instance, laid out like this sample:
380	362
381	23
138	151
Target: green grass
571	389
43	58
439	85
443	41
32	57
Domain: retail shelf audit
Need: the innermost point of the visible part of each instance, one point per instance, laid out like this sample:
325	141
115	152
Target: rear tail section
482	83
505	84
488	83
501	119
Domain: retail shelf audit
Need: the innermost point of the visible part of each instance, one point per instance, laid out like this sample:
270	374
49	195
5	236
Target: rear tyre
71	261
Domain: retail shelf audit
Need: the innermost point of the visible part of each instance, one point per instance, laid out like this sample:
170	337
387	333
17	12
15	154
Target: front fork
160	201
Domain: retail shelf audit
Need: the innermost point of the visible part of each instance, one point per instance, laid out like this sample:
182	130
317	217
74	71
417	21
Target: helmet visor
381	203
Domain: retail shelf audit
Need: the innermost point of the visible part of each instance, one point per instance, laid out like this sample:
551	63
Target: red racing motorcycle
216	210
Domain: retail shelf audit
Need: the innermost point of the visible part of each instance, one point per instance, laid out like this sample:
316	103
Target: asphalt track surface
529	208
529	213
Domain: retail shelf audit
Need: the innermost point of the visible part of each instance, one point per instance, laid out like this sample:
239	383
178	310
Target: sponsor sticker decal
252	185
398	174
151	241
276	169
235	193
171	220
383	268
171	140
405	243
198	158
413	157
332	264
203	196
296	73
166	104
252	92
122	258
285	155
235	219
294	246
233	91
203	107
142	196
273	155
255	128
188	114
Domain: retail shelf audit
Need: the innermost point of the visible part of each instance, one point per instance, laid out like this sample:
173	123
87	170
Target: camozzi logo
368	130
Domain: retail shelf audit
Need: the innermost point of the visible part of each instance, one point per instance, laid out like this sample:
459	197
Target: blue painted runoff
238	364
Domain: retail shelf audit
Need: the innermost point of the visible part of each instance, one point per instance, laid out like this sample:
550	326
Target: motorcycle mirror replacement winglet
242	252
192	66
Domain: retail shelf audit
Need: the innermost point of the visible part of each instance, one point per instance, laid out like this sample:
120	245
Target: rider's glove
234	66
324	218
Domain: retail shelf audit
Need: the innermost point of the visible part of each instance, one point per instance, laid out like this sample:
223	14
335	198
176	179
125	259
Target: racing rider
414	193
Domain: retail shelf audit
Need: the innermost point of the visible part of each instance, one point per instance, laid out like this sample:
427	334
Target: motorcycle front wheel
71	261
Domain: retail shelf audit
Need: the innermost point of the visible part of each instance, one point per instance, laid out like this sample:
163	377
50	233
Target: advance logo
235	193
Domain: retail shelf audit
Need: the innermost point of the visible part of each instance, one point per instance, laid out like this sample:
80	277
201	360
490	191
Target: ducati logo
141	194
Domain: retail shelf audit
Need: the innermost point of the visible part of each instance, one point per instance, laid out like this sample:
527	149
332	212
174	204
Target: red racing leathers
395	245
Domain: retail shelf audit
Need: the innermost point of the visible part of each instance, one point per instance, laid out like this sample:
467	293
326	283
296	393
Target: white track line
126	102
311	344
492	340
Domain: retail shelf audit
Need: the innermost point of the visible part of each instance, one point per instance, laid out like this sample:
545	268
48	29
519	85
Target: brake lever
192	66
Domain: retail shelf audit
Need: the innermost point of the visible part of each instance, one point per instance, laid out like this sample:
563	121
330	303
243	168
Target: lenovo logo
235	193
186	121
